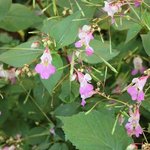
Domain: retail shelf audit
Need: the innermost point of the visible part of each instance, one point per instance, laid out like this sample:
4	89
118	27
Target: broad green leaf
145	109
4	7
88	10
37	135
4	110
20	55
100	50
133	31
93	132
122	24
67	109
42	97
52	81
64	31
19	17
146	42
69	91
59	146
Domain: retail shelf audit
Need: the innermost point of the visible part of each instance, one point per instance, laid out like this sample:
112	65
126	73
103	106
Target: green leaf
67	109
64	31
59	146
37	135
52	81
20	55
146	42
87	9
122	24
100	50
133	31
69	91
4	8
93	132
146	18
19	17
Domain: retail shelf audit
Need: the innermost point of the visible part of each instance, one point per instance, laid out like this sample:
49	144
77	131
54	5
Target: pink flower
137	3
133	127
112	8
89	50
136	91
138	67
85	36
86	89
45	68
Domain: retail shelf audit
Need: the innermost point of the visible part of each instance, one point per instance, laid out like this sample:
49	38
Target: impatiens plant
74	74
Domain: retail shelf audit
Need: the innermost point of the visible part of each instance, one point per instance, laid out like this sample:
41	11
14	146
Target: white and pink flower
86	89
138	66
85	36
133	127
45	68
111	8
136	90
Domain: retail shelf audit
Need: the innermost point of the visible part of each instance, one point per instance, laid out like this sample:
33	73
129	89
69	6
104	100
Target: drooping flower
112	8
133	127
85	36
136	90
138	66
86	89
45	68
137	3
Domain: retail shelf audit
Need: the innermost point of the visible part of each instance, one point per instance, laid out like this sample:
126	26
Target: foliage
90	100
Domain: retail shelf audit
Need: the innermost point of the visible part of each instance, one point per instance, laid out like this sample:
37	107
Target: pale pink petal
134	72
142	69
79	44
45	71
89	51
138	130
83	102
133	92
140	96
142	82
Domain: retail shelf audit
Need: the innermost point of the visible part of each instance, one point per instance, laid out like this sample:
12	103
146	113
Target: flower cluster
45	68
133	127
111	8
86	89
85	36
137	94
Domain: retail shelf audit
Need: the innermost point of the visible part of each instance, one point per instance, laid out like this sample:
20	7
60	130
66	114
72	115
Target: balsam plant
74	74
